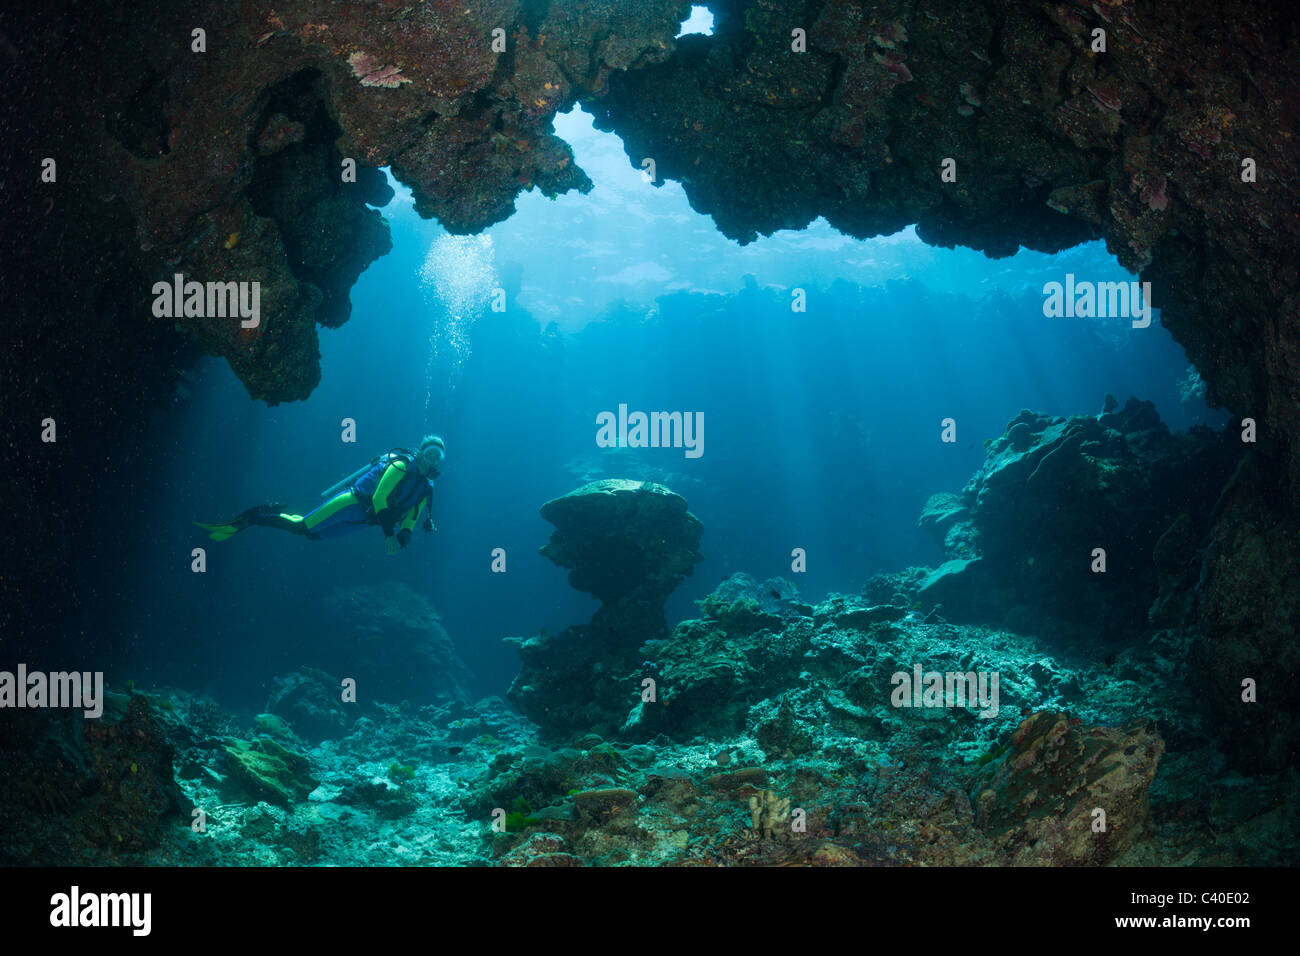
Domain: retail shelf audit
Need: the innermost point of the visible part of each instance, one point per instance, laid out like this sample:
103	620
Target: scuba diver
393	491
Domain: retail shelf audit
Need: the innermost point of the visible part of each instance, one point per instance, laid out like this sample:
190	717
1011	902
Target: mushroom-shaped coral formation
628	543
623	541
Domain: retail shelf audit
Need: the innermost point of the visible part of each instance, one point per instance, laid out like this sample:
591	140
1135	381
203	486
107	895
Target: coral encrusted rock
624	542
269	771
1021	538
629	544
1042	800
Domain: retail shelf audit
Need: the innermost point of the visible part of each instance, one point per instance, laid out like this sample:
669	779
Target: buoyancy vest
408	491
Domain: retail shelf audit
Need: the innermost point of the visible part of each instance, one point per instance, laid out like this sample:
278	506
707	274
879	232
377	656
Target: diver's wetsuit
392	494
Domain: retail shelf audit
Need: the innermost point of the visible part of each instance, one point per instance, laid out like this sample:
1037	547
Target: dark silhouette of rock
1022	538
312	702
1248	617
75	786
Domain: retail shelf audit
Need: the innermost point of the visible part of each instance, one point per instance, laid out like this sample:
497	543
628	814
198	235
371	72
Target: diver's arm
408	522
413	516
428	508
379	500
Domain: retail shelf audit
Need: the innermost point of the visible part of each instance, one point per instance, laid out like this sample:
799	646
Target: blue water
822	427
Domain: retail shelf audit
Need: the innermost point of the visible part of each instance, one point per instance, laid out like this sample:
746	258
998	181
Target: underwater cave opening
825	365
700	21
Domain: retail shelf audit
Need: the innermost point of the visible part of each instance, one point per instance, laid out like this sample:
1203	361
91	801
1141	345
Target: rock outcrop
1022	538
629	544
1248	625
252	152
1069	795
74	786
791	675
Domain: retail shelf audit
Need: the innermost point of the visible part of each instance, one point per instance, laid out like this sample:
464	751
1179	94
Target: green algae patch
519	817
270	771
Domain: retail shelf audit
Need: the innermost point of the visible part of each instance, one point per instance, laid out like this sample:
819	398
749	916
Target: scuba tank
350	480
337	487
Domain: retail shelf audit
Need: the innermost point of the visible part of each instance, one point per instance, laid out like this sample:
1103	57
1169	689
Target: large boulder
629	544
1021	538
